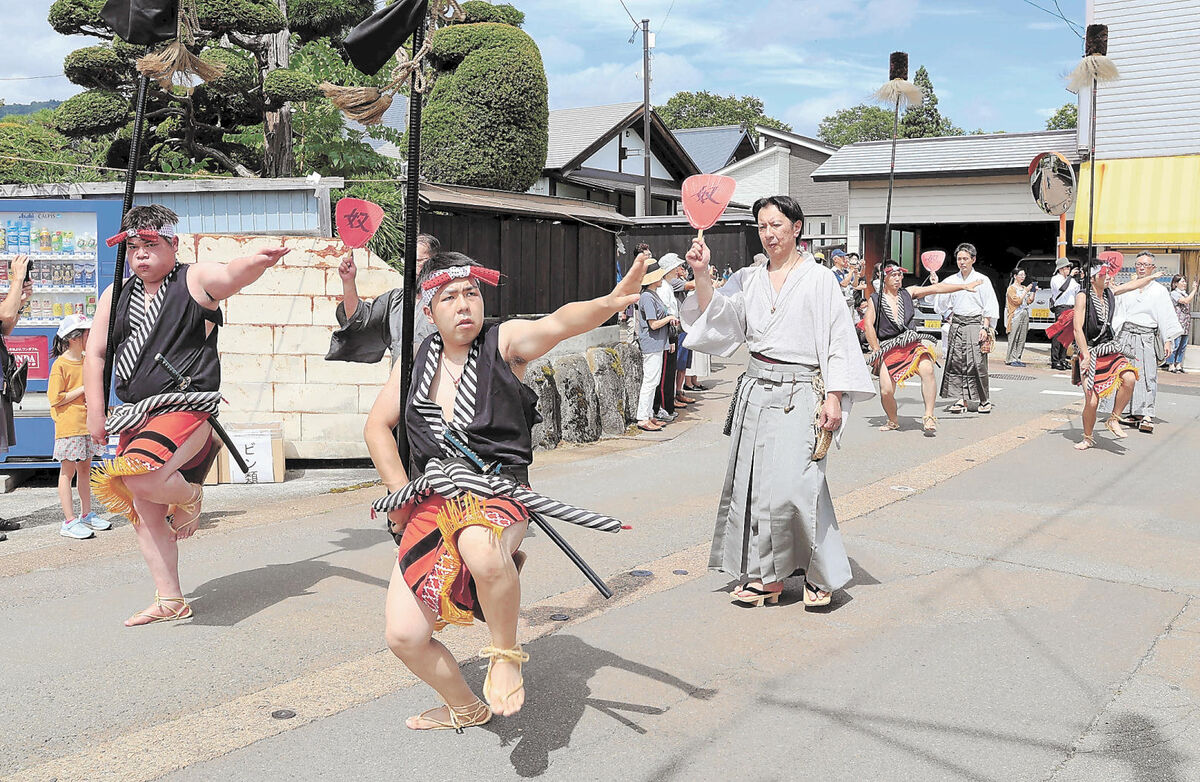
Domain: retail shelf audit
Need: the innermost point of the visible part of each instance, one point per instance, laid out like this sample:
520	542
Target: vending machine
71	265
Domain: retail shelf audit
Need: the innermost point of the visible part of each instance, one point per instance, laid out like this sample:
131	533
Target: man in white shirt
972	315
1063	288
1145	324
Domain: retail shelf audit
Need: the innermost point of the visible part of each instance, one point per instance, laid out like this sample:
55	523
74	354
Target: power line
668	16
1072	26
27	78
635	21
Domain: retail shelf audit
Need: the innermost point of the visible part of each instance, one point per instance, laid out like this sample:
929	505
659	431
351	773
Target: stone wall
277	333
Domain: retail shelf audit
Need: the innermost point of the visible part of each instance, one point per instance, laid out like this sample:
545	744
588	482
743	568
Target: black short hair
430	241
969	248
443	261
148	217
786	204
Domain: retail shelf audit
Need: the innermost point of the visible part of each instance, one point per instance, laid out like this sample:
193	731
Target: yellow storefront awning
1141	202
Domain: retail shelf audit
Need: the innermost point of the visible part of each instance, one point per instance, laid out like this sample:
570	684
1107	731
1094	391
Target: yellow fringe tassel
915	366
108	486
456	515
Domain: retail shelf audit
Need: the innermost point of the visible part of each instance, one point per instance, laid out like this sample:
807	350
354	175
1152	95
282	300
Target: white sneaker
95	522
75	528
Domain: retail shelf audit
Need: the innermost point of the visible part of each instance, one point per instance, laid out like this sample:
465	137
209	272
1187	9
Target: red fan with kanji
357	221
1112	261
932	260
705	197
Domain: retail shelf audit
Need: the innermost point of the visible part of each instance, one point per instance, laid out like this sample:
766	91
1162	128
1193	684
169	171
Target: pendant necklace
453	379
771	288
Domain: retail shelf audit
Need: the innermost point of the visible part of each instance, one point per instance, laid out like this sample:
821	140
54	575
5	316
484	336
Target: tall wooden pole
649	200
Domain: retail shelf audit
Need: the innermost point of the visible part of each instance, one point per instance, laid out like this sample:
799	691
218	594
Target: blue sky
997	64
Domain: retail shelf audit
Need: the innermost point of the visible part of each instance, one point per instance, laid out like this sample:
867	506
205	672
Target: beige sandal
1087	442
890	426
189	510
929	425
1113	424
183	611
815	598
461	717
513	655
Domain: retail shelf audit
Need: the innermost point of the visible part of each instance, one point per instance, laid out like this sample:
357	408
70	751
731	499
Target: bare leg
408	629
928	384
489	558
165	485
66	471
83	483
1124	391
1091	401
887	396
161	552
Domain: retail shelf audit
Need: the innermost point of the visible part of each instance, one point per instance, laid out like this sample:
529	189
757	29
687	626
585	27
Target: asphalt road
1020	611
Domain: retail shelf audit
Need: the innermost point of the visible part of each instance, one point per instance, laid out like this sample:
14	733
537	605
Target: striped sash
133	416
907	338
464	397
455	477
141	322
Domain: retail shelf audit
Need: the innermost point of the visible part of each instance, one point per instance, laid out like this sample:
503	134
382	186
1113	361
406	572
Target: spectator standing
73	447
653	319
10	313
1183	308
664	397
1018	300
1063	289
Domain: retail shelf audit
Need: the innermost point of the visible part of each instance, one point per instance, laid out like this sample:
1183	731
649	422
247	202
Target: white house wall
608	157
764	174
1154	108
998	199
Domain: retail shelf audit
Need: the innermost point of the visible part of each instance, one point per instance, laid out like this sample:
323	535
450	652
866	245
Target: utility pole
647	201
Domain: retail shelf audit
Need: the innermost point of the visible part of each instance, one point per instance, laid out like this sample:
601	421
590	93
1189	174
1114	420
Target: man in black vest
169	309
458	553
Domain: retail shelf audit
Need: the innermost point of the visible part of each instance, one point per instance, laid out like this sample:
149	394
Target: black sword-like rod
543	525
183	384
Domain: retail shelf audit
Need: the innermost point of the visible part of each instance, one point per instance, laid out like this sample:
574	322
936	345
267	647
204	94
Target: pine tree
926	121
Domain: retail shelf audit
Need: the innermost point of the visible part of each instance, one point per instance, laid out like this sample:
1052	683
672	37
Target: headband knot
479	273
145	234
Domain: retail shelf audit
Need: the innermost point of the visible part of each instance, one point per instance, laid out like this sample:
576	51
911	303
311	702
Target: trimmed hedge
312	19
282	85
477	11
249	17
97	67
90	113
486	120
33	140
69	17
241	73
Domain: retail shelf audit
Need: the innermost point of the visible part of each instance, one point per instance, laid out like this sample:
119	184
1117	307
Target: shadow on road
559	693
227	600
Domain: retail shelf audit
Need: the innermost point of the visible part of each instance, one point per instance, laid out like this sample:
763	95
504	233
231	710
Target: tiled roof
988	153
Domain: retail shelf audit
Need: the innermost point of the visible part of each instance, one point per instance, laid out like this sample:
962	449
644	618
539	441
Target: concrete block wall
277	333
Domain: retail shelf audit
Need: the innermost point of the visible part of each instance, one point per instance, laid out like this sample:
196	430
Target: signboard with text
33	350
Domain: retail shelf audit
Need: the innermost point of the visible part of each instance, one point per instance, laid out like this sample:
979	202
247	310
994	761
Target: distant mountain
28	108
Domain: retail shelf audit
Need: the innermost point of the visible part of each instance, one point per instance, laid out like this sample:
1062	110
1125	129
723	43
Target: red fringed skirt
903	361
145	450
429	557
1109	368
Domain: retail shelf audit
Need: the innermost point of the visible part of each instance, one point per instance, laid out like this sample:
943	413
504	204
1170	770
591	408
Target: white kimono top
981	301
810	326
1151	307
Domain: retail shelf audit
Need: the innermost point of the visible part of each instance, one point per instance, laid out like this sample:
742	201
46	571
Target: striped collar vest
142	318
464	398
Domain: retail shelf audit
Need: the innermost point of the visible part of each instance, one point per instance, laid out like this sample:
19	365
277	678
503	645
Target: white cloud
1044	25
556	50
612	82
805	116
32	48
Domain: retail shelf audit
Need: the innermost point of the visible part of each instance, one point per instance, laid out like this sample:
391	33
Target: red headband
480	273
145	234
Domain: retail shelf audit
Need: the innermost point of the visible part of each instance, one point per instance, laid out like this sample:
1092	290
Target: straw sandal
755	597
815	598
1087	442
182	611
890	426
929	424
513	655
1113	424
461	717
189	510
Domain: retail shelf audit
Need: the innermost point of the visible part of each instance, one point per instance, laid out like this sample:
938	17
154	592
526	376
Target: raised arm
522	341
209	283
698	257
921	291
1133	285
10	307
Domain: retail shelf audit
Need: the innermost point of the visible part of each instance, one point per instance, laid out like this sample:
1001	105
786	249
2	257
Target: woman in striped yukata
458	554
166	444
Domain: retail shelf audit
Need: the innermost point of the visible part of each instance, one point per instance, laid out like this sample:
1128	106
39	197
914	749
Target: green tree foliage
1066	118
926	121
476	11
213	126
26	138
863	122
707	110
486	119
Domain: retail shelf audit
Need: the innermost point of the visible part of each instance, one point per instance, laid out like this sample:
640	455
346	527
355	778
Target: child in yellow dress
73	447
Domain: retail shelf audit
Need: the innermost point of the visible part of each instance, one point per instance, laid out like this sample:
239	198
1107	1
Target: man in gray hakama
776	515
972	314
